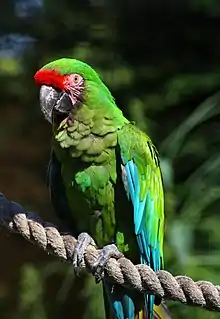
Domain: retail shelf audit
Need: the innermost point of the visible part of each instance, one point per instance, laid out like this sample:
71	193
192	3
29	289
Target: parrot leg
83	241
108	251
105	254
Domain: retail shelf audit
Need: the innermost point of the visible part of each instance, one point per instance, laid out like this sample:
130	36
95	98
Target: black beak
54	101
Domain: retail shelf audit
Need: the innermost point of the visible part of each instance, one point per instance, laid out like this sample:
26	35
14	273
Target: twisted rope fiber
122	271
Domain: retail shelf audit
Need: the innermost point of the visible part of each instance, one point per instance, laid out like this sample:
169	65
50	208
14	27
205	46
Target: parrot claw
105	254
83	241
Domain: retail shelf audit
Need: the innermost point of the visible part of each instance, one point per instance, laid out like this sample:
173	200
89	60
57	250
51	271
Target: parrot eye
76	78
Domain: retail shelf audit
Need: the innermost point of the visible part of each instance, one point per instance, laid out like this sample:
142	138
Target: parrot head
65	85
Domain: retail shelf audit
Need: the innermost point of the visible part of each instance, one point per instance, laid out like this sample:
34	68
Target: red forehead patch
50	77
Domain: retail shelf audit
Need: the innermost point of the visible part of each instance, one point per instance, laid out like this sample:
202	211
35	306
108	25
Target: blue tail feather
121	301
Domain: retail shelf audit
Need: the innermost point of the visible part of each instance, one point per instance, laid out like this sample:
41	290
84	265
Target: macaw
104	179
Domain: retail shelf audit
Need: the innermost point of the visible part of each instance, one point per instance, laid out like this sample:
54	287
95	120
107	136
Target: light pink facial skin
74	86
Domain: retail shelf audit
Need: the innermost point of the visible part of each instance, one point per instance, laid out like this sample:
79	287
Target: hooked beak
54	102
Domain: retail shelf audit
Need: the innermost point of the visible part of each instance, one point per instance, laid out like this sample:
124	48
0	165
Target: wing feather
57	192
144	186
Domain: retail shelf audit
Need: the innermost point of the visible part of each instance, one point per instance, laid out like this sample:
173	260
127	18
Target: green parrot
105	180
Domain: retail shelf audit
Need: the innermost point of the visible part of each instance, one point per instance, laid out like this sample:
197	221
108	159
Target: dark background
161	60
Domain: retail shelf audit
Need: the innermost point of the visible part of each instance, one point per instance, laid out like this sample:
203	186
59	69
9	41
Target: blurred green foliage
161	60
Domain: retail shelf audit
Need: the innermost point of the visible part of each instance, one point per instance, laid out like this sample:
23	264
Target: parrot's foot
83	241
105	254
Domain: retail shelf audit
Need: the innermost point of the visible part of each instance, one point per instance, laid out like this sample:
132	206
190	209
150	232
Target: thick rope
121	271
